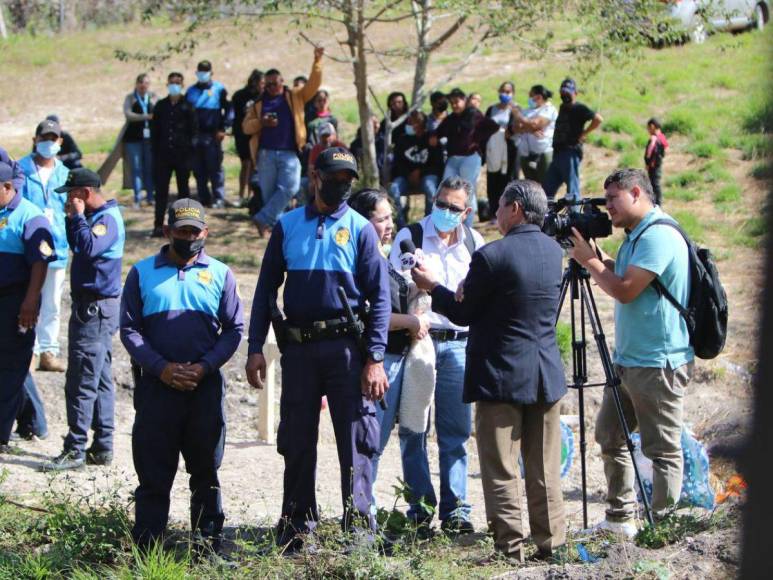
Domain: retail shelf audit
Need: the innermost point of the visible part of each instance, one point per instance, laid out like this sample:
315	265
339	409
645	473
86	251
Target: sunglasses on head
443	205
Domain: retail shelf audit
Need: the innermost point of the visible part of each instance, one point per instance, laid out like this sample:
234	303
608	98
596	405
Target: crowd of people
442	320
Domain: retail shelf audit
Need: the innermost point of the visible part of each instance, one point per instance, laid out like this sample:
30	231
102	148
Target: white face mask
47	149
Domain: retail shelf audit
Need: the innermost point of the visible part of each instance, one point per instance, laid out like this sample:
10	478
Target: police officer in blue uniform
181	320
214	115
96	235
26	249
315	250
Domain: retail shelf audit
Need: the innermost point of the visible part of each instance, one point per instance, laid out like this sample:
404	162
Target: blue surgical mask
409	130
532	103
47	149
174	89
444	219
203	76
505	98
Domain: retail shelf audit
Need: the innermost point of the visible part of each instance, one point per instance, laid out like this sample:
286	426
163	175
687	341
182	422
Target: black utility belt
444	334
320	330
84	296
14	289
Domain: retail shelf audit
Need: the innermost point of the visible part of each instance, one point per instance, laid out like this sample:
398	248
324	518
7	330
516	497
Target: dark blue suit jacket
510	303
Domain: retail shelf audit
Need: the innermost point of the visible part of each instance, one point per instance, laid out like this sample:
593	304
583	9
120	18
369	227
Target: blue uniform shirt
170	314
25	238
649	331
97	242
49	201
319	253
213	111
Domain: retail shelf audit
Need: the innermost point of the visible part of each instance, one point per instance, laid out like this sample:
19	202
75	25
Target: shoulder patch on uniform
45	249
99	230
342	237
3	222
205	277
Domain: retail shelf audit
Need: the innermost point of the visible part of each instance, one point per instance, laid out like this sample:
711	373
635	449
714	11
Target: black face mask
333	192
566	99
441	106
186	249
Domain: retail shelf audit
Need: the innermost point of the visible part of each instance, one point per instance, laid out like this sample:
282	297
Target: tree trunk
3	31
354	21
423	21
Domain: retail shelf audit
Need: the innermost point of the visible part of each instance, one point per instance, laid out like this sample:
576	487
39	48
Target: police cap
80	177
187	212
6	172
336	159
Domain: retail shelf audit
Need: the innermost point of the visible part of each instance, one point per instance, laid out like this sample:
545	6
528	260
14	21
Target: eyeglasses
443	205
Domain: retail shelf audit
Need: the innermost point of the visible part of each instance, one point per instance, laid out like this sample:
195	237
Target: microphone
409	255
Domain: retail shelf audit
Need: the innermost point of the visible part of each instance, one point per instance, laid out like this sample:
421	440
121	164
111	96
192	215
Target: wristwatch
376	357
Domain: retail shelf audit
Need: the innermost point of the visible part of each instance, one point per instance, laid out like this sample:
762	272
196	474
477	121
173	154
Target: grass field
712	99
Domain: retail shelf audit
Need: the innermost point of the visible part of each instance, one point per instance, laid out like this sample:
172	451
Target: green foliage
681	121
730	193
684	179
629	159
675	527
88	529
600	140
680	194
714	172
762	170
621	124
690	224
755	146
704	149
564	340
758	114
750	234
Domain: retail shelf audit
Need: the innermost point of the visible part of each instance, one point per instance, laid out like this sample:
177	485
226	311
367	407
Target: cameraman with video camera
653	356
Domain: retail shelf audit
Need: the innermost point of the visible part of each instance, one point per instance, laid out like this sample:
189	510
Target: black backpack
417	236
706	312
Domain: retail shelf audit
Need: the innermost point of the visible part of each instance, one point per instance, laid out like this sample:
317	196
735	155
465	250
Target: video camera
589	220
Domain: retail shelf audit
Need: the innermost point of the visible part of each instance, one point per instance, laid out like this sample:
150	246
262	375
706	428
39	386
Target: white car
701	16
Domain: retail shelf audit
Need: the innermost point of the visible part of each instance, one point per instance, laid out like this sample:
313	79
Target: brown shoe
49	362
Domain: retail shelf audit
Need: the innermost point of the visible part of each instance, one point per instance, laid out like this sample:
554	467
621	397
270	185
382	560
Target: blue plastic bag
696	489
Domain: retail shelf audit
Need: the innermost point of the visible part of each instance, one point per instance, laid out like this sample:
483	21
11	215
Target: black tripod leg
613	382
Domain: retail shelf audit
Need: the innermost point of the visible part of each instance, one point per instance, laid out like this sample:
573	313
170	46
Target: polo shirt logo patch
3	223
205	277
45	249
342	236
99	230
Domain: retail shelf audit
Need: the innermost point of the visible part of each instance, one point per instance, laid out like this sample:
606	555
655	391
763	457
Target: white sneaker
626	529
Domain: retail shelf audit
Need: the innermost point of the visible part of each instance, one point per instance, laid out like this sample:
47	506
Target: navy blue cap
6	172
336	159
569	86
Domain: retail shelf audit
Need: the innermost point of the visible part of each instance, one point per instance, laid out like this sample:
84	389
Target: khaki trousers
504	431
652	400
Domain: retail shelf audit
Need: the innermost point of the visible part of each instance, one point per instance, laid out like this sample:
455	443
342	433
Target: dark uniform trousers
208	168
15	357
169	422
88	390
164	163
309	371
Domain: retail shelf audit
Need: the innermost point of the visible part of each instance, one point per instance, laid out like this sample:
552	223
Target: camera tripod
576	281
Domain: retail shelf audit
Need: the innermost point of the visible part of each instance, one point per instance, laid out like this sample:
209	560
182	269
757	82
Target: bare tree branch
377	16
438	42
327	55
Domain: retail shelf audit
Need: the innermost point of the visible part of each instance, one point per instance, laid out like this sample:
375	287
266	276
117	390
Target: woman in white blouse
536	126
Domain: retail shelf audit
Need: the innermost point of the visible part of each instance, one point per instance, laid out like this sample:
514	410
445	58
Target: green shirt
649	331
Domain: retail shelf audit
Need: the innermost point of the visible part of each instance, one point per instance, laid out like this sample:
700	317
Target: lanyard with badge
144	105
48	211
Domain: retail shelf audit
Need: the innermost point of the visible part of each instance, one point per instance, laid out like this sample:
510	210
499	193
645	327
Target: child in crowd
653	156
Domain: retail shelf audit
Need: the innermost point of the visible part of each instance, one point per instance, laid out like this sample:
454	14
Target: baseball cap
325	129
336	159
456	93
6	172
186	212
80	177
48	126
569	86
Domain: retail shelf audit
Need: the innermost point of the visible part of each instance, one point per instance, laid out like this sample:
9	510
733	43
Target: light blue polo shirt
649	331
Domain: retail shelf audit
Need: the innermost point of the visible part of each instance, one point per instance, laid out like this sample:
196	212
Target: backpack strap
469	241
656	283
417	234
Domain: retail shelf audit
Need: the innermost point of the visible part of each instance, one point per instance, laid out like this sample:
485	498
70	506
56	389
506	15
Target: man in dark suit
514	372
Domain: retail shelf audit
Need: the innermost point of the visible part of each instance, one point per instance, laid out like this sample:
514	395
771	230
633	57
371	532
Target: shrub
713	172
681	195
690	224
762	170
755	146
618	124
601	140
629	159
704	150
682	122
730	193
684	179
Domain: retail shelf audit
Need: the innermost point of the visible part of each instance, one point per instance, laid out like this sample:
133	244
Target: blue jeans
467	167
564	169
399	187
140	156
393	366
279	174
453	424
